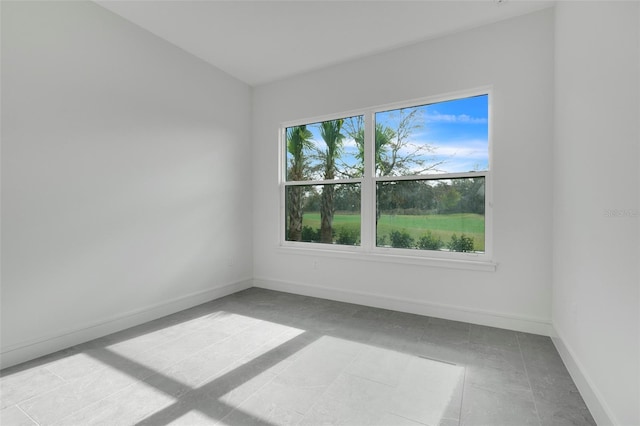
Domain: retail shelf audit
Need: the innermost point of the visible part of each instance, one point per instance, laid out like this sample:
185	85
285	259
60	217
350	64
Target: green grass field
441	225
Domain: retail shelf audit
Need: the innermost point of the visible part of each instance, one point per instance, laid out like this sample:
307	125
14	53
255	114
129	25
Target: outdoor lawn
440	225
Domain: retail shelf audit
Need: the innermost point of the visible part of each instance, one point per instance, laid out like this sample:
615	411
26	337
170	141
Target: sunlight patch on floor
338	380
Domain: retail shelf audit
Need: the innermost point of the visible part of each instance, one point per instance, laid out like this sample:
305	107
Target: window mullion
322	182
368	208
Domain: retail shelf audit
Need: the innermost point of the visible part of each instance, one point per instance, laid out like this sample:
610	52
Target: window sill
378	257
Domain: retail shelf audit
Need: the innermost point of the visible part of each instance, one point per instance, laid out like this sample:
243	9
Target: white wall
516	58
596	257
123	190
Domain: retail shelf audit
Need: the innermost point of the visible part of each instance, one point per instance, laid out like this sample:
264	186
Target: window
324	170
410	180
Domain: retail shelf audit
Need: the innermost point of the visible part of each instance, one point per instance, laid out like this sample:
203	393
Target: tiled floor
267	358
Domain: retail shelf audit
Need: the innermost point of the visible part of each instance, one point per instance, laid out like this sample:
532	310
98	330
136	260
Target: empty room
320	212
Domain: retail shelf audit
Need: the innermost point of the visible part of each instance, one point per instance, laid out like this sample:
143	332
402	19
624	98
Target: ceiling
263	41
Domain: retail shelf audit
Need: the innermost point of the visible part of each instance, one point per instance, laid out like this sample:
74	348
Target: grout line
369	379
526	372
438	360
186	324
94	373
64	382
257	351
235	364
95	403
57	375
464	382
464	376
170	365
356	355
239	405
407	418
27	414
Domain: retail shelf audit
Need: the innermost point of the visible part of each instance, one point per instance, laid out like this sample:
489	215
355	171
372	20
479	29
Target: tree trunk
295	213
326	215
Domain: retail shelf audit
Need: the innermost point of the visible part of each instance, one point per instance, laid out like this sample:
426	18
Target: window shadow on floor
378	347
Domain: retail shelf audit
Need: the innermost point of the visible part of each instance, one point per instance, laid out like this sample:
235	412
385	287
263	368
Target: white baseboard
600	411
34	348
492	319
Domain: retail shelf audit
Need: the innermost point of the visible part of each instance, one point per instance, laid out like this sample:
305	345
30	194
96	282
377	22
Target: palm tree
354	127
384	136
331	133
298	140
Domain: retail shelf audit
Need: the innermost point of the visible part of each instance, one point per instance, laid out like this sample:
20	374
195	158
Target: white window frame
367	250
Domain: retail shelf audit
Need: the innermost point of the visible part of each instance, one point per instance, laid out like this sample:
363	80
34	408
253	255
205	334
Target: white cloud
474	148
458	156
436	117
349	143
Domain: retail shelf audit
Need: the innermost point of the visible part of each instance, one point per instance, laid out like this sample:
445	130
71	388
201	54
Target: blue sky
453	133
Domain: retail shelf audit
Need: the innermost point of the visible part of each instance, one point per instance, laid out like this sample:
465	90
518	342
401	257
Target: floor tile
403	320
455	353
379	365
193	371
260	357
41	362
492	336
320	362
276	403
26	384
395	420
139	366
441	323
407	341
215	399
188	344
90	361
558	400
445	340
188	413
74	395
229	322
350	400
497	408
125	407
429	391
199	368
273	417
559	414
190	418
218	398
13	416
508	380
498	357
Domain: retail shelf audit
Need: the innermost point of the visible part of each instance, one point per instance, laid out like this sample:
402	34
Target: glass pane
441	214
327	150
323	213
445	137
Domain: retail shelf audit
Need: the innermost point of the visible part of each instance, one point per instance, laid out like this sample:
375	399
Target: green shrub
381	240
310	234
401	239
348	235
430	242
464	243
